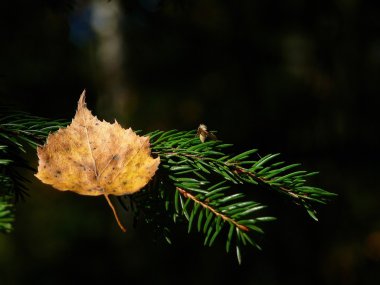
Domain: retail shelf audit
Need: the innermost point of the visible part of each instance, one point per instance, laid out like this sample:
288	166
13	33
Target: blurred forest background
297	77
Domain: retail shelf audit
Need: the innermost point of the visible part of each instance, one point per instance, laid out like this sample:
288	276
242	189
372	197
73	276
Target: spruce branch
202	186
17	131
211	209
199	183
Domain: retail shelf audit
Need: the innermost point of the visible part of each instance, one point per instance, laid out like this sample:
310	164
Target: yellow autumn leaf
93	157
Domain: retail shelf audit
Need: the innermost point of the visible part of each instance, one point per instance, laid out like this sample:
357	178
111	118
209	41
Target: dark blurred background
297	77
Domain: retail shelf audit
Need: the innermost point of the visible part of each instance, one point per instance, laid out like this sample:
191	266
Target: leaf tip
82	99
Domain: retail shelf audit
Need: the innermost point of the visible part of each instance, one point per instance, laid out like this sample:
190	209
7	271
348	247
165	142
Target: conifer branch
211	209
17	131
199	183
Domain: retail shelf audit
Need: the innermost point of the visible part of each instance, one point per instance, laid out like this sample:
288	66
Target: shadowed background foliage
292	76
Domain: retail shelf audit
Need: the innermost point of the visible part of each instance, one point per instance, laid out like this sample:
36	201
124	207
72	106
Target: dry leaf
93	157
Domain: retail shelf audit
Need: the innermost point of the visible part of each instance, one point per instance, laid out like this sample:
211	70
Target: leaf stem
204	205
115	213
